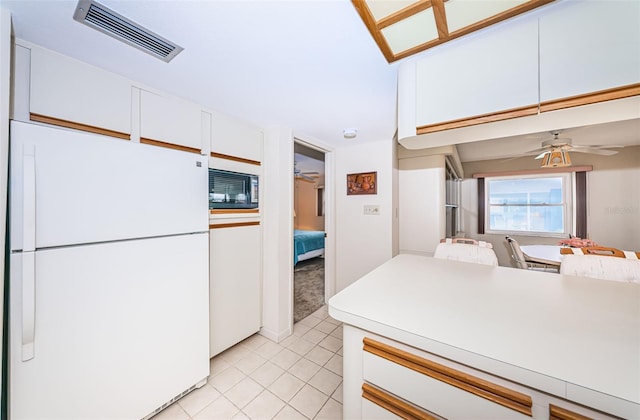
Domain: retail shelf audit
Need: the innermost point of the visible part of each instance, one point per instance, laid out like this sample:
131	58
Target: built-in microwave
232	190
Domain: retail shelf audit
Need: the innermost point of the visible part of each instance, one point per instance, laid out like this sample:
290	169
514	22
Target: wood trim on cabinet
393	404
169	145
479	119
591	98
236	224
235	158
498	394
559	413
78	126
233	211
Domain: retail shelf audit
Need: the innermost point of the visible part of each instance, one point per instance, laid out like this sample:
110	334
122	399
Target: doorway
309	204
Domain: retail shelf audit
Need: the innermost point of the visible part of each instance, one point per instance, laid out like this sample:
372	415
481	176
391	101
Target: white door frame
329	218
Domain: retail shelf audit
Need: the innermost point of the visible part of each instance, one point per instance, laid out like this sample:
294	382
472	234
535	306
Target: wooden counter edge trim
559	413
233	211
480	387
393	404
159	143
78	126
235	158
591	98
236	224
479	119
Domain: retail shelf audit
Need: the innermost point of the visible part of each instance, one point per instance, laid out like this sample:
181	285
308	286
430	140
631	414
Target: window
529	204
320	201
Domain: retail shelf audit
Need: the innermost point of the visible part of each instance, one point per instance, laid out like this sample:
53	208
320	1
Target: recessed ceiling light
350	133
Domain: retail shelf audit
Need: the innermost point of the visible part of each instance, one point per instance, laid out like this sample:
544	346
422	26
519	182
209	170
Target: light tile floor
298	378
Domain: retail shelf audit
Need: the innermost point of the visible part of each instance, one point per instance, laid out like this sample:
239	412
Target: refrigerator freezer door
91	188
120	329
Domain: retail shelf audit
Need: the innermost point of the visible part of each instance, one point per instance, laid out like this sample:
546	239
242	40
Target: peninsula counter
459	340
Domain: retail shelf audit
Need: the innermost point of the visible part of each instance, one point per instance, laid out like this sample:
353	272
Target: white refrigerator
108	310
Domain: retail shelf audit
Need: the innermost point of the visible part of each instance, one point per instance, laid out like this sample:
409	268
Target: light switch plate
371	209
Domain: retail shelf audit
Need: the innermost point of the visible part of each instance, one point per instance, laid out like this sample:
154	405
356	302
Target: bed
307	244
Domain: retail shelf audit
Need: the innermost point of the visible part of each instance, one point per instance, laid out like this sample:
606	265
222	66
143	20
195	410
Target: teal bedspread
305	241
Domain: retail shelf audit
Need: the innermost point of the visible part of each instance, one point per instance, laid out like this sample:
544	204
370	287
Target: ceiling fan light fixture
556	158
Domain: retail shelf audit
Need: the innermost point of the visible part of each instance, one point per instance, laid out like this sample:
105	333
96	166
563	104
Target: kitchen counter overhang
576	338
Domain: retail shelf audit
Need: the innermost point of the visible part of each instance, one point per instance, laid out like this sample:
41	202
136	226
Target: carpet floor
308	287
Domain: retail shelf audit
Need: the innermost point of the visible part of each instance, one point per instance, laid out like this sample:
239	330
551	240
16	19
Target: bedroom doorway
309	206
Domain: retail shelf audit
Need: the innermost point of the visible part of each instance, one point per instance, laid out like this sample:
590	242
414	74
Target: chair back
478	252
516	253
601	251
601	267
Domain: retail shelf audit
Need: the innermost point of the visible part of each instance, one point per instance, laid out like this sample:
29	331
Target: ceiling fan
309	176
555	152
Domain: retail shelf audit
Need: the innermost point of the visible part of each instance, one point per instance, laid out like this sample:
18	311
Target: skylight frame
376	26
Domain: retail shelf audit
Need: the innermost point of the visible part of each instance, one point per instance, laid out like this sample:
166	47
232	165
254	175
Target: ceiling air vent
107	21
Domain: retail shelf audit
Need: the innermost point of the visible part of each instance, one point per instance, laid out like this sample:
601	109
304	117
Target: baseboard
274	335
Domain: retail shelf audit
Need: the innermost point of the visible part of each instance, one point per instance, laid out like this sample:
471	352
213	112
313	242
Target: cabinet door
235	292
588	46
421	197
491	71
234	138
170	121
70	93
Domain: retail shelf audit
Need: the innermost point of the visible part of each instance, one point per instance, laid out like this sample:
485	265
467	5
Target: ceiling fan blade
541	155
594	151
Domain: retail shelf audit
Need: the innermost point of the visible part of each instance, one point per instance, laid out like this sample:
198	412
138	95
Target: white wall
363	242
5	89
277	186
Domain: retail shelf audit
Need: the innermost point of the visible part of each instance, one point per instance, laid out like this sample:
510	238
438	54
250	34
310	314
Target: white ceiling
309	65
622	133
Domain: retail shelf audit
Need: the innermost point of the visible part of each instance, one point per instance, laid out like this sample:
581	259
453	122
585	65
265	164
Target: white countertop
574	337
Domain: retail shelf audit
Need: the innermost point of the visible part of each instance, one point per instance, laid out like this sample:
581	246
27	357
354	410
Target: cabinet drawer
378	404
440	389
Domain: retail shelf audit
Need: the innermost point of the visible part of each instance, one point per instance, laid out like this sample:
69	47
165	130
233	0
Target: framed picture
362	183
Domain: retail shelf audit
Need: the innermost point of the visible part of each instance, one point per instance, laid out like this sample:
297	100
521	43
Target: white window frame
568	186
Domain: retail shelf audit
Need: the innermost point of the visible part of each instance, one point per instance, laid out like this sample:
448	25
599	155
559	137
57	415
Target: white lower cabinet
384	379
235	292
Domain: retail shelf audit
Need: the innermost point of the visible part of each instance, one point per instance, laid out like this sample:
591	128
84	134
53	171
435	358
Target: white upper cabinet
77	93
490	71
236	139
588	46
170	120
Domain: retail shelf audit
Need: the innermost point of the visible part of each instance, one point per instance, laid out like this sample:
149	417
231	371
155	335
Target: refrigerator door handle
28	305
29	199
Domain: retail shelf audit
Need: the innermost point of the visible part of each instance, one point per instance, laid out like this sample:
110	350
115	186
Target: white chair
601	267
466	250
527	262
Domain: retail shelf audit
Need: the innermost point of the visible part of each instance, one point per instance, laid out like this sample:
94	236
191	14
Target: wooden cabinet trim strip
480	387
479	119
235	158
559	413
233	211
393	404
78	126
229	225
591	98
169	145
